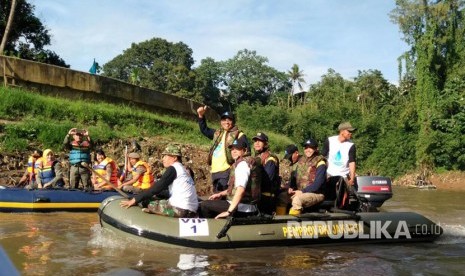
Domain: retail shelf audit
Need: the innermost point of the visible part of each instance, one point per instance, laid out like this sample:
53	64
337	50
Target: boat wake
103	238
453	234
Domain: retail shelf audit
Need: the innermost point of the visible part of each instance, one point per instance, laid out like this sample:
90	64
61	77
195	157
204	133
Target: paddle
227	225
85	165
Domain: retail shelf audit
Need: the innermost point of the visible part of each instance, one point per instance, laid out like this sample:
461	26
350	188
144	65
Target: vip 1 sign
189	227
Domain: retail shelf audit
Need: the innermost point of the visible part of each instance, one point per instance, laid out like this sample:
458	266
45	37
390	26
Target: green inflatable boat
322	225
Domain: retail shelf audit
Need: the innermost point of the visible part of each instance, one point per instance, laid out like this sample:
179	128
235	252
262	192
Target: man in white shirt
341	153
176	180
243	187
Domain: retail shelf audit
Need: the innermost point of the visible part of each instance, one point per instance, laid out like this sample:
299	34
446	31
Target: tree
372	90
161	65
297	78
27	36
207	82
430	28
8	26
247	78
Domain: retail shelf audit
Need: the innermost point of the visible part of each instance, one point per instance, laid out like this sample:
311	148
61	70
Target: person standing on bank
183	201
79	151
270	180
219	157
341	154
243	187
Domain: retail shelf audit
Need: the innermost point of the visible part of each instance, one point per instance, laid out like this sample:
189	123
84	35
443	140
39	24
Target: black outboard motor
373	191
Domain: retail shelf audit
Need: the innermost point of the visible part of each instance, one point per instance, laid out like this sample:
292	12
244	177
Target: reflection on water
75	244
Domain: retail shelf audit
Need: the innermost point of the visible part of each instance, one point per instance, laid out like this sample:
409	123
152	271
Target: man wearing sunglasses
341	154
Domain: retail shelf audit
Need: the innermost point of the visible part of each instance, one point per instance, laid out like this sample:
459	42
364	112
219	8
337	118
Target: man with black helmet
243	190
270	179
307	179
219	156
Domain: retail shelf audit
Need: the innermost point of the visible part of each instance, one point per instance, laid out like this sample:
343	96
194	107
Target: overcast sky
345	35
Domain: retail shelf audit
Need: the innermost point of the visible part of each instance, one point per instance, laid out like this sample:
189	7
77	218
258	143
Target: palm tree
8	26
296	77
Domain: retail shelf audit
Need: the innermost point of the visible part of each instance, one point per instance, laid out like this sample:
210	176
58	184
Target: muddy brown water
75	244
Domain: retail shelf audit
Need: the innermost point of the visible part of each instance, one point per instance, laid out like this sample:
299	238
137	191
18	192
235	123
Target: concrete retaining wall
63	82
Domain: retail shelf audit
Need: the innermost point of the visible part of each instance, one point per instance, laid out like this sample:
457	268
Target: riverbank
450	180
12	167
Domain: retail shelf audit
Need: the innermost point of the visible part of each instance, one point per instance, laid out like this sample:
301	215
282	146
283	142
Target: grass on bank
43	121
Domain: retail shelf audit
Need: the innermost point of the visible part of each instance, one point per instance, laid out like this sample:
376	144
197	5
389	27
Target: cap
346	125
134	155
239	144
227	114
260	136
173	150
310	143
289	151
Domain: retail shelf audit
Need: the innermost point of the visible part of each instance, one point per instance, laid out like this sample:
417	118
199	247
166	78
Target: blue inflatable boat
51	200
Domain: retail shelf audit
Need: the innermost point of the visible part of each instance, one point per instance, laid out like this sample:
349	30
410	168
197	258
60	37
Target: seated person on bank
306	183
243	187
183	201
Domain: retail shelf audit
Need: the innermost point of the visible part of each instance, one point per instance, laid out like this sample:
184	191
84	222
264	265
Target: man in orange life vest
79	151
107	168
219	156
142	178
33	164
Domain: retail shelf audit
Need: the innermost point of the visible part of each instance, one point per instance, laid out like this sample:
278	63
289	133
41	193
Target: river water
75	244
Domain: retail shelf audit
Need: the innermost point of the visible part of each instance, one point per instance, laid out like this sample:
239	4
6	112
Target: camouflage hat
173	150
346	126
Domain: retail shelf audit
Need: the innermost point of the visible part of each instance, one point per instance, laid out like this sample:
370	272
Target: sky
345	35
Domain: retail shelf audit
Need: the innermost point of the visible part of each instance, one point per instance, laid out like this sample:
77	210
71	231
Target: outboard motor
373	191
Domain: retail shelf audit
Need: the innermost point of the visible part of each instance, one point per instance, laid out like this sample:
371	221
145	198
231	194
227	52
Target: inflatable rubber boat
320	225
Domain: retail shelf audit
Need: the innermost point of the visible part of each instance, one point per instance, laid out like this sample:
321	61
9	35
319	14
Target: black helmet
228	114
310	143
